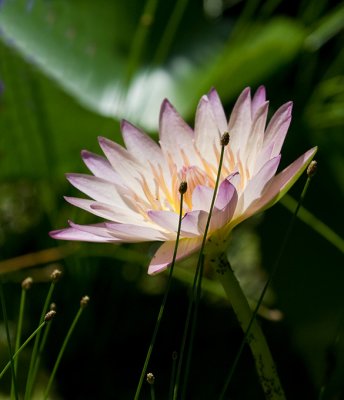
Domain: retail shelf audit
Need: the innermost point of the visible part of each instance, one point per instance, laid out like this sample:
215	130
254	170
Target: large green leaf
84	47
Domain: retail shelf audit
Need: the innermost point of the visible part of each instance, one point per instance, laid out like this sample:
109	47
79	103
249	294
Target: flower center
193	176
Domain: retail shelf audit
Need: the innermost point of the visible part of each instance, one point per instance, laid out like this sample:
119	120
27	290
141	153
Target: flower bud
225	139
56	275
312	169
49	315
150	378
183	187
84	301
27	283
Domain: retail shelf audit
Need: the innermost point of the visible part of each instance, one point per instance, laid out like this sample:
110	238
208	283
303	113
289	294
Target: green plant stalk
173	375
32	368
195	295
265	365
170	31
152	392
162	307
15	355
19	332
11	363
140	37
61	352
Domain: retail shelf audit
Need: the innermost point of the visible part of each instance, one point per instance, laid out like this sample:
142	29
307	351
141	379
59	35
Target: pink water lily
135	189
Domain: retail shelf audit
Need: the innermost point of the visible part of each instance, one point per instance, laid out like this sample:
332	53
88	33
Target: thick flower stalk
135	189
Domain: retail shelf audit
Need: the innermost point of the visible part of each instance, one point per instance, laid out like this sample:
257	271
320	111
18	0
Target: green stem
140	37
19	332
33	368
11	363
152	390
162	307
21	348
170	31
62	350
197	284
265	366
173	374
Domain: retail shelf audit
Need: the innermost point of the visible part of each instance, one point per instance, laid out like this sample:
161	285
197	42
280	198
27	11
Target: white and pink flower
135	189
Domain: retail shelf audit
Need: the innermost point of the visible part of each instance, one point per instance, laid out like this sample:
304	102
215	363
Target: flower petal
258	183
258	99
163	257
280	184
95	233
140	145
218	111
201	198
207	132
176	137
223	216
100	167
132	233
278	128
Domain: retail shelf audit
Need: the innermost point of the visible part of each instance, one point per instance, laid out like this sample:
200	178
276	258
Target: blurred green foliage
69	71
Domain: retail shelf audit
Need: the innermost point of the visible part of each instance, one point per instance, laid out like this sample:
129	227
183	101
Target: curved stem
265	365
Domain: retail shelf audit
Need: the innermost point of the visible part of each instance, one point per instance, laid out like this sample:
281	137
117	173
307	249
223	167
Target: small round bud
56	275
49	316
225	139
84	301
312	169
183	187
150	378
53	307
27	283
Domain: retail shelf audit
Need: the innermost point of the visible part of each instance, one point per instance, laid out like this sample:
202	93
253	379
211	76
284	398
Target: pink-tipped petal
132	233
166	219
258	99
207	132
239	126
163	257
218	111
258	183
224	195
100	167
140	145
278	128
201	198
223	216
79	235
194	222
280	184
176	137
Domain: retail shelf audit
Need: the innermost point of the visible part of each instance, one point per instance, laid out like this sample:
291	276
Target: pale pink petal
176	137
278	128
257	184
166	219
100	167
95	234
223	216
280	184
140	145
225	194
218	111
117	214
98	189
194	222
133	233
201	198
258	100
207	132
129	168
239	126
163	257
263	157
94	229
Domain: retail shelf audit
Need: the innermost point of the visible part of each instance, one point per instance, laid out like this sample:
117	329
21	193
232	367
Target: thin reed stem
19	331
173	374
140	37
62	350
163	304
33	368
152	392
261	297
15	355
197	286
10	352
170	31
